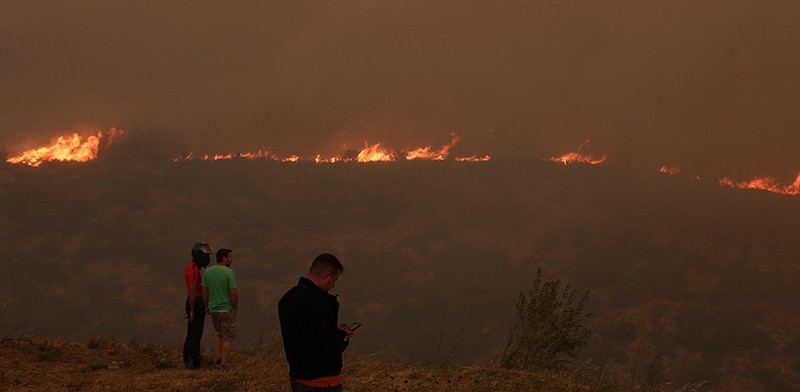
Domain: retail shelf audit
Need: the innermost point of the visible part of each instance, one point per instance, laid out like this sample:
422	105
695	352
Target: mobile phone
353	326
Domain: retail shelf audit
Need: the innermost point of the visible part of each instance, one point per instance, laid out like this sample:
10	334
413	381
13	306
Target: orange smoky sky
708	84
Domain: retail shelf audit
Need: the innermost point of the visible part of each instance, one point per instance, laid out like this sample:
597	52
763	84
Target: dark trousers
297	387
194	334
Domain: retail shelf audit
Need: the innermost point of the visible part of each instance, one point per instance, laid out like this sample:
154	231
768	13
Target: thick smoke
708	85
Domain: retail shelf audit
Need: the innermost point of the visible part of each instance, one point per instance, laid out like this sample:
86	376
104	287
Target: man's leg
218	347
198	325
194	336
225	350
228	333
187	341
217	319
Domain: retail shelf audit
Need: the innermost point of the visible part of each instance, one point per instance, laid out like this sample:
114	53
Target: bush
548	327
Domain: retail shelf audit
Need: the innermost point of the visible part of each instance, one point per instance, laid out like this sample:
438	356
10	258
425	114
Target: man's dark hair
325	262
222	254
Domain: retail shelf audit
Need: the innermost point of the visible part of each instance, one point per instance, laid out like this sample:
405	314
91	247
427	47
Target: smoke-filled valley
689	281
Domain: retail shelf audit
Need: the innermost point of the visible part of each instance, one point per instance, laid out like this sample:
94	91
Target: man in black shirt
313	338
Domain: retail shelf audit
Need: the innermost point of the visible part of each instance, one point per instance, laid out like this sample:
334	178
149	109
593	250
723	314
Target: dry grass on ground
32	363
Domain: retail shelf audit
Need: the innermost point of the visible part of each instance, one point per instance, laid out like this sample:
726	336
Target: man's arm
235	299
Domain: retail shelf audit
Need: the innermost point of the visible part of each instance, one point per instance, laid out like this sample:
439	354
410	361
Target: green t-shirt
219	279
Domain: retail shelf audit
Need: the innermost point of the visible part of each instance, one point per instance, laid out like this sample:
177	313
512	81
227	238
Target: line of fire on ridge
370	153
75	148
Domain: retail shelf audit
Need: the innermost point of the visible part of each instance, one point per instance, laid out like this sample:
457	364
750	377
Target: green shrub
548	327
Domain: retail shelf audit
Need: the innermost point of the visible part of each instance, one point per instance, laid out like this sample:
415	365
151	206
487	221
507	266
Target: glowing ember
579	157
66	148
764	183
474	159
674	169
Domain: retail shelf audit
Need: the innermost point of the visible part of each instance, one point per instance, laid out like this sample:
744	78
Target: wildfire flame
764	183
474	159
439	155
66	148
260	154
370	153
579	156
79	149
375	153
672	170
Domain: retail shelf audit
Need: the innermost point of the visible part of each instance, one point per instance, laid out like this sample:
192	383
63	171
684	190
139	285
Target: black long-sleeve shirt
312	340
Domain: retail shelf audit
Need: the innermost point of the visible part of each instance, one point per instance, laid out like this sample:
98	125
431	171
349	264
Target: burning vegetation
764	183
66	148
369	153
77	148
672	169
579	156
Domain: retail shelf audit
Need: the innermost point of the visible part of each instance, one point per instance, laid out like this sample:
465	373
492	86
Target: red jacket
192	274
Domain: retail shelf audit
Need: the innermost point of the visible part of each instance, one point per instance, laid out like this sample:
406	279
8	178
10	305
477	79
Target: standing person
221	298
195	309
312	338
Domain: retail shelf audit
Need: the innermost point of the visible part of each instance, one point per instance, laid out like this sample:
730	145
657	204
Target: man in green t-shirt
222	303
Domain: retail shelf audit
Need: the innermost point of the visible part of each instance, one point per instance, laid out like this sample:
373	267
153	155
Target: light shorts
224	323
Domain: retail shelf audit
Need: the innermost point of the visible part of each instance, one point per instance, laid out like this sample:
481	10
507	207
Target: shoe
194	363
223	367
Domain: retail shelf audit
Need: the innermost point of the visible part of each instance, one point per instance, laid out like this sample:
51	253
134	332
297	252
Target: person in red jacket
195	308
313	340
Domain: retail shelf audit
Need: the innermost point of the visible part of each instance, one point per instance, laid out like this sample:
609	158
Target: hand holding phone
349	330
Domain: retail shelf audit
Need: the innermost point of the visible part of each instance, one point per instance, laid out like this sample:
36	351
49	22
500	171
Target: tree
548	327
